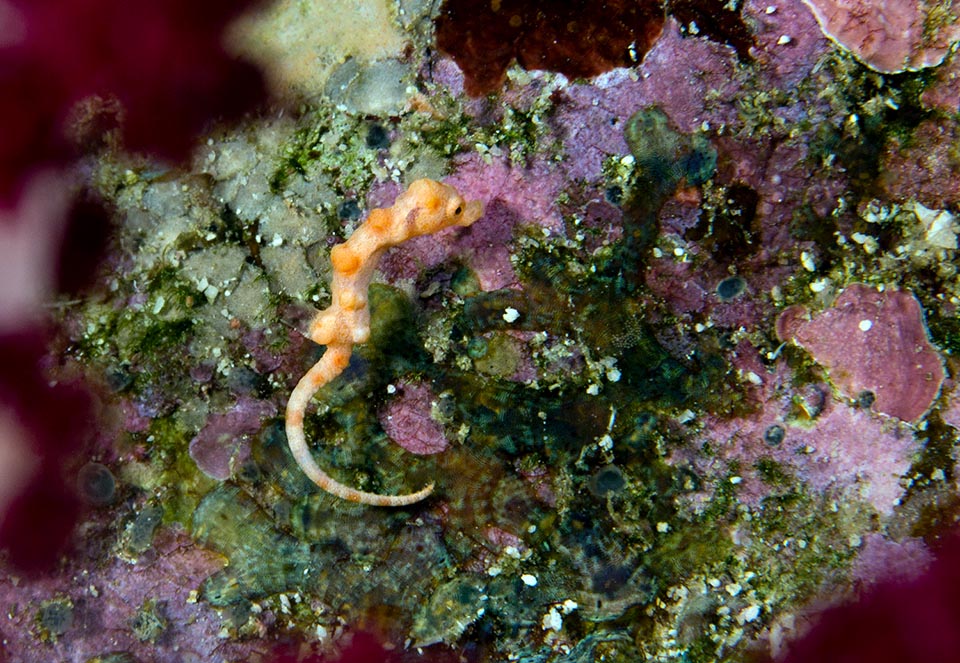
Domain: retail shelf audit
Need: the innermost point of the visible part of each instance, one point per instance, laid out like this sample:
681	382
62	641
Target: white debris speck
552	621
511	314
529	579
806	259
735	480
784	40
865	325
733	588
158	305
686	417
748	614
868	242
593	389
940	226
277	240
819	285
663	527
605	443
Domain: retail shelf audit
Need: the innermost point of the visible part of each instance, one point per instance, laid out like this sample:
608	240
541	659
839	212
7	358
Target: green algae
326	143
773	473
53	619
945	332
665	157
161	325
174	475
150	622
263	560
137	536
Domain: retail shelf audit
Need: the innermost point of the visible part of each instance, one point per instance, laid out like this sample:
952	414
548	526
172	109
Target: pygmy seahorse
424	208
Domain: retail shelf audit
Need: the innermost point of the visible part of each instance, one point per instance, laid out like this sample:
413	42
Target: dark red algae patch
720	22
577	38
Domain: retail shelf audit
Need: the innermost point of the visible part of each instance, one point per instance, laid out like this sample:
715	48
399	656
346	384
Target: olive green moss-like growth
823	536
298	155
162	323
874	110
522	131
518	133
773	473
447	135
945	332
331	143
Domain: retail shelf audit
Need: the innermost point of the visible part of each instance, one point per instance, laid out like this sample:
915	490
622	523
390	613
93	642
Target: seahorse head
429	206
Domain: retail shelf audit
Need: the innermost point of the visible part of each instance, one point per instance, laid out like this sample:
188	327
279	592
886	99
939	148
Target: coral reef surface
686	391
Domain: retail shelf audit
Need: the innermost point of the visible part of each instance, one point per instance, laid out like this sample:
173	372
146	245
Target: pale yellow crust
424	208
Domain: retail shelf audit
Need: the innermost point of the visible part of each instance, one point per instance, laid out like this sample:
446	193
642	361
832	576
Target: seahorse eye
457	211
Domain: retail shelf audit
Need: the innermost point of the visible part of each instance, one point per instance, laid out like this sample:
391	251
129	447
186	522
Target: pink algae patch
872	341
407	421
890	36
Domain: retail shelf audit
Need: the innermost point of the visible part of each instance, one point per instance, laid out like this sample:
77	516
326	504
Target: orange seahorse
424	208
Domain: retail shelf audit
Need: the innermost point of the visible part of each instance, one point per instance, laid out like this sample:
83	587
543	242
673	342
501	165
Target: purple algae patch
224	443
408	422
848	452
876	342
